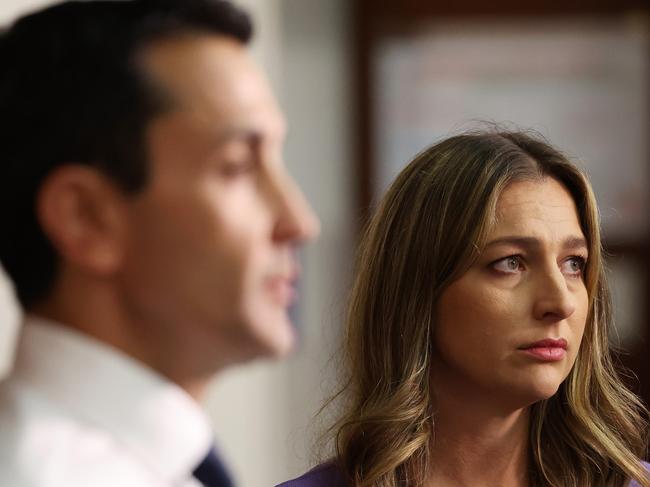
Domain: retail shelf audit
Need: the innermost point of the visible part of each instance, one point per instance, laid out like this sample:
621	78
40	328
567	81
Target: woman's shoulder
325	475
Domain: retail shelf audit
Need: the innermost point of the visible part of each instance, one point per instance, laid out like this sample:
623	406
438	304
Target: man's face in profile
211	238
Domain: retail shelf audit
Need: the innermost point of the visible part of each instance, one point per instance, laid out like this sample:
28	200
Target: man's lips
282	289
546	350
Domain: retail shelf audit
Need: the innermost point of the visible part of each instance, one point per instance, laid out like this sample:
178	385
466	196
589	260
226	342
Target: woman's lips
547	350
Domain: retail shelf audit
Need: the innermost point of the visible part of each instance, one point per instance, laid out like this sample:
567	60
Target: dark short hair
71	91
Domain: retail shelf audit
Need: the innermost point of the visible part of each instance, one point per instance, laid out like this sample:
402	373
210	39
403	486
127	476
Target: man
149	226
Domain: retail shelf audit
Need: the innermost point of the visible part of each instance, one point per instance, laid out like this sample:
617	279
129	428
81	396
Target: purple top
634	483
325	475
329	475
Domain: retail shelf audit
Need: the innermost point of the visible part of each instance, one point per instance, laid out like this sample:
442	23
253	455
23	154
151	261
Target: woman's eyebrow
569	243
575	243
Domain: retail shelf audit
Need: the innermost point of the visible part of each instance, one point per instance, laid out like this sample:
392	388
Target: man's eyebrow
252	135
238	133
570	243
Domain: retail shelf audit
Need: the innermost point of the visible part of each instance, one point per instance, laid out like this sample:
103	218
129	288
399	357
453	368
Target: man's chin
283	342
275	339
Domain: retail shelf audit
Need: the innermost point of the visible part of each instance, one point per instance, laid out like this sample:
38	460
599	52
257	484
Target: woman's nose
554	300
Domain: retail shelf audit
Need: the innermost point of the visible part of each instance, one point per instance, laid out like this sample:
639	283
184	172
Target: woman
477	336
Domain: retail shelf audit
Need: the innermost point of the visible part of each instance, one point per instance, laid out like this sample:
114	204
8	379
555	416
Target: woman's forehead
534	211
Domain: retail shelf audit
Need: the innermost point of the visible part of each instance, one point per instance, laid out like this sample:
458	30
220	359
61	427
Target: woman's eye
573	266
508	265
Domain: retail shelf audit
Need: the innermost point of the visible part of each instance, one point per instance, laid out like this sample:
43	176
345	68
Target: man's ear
84	215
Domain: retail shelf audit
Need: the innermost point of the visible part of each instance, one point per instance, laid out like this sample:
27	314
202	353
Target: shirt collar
152	417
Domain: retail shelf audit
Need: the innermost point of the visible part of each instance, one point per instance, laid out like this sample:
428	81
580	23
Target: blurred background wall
365	85
576	71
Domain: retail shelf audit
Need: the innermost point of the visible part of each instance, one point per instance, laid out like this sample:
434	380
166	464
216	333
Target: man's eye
574	266
508	265
237	168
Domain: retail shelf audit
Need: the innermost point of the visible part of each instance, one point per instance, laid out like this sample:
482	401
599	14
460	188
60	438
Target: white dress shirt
78	413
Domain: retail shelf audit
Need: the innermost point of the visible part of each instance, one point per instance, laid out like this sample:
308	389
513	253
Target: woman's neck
478	443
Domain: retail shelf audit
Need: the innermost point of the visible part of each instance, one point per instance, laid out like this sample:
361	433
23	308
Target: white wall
317	95
10	9
263	413
9	319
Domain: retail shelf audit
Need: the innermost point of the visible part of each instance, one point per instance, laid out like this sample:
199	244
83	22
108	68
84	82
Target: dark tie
211	472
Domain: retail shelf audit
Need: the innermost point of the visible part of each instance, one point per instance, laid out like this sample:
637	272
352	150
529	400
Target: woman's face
511	326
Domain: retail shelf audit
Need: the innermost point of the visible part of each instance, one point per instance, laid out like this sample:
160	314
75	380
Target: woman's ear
83	214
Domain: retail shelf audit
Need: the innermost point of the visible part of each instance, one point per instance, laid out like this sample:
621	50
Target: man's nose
554	301
296	219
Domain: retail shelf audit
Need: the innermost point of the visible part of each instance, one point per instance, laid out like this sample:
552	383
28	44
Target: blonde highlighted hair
428	230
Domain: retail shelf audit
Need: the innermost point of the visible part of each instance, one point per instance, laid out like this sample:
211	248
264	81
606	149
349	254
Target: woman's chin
538	392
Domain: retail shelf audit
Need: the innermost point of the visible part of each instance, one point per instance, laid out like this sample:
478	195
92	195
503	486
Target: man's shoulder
325	475
23	406
43	444
34	432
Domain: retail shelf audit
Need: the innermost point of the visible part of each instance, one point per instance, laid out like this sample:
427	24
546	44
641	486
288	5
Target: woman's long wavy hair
428	230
